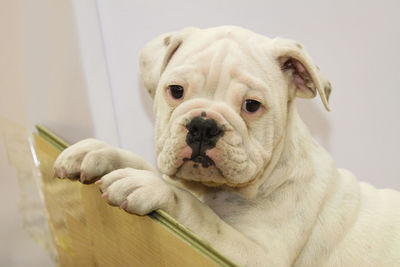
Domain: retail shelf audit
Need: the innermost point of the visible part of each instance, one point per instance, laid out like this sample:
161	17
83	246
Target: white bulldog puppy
237	164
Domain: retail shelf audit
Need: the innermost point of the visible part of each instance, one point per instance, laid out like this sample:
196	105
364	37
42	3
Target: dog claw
98	182
82	178
63	173
105	195
124	204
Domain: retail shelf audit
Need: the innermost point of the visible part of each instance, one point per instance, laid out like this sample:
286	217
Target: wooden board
89	232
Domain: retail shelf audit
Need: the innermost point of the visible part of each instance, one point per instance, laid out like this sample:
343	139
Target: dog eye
176	91
251	106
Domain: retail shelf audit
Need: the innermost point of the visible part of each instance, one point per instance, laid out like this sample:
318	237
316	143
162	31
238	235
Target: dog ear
156	55
305	75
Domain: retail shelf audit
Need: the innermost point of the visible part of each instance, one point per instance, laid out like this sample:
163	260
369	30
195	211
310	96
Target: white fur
275	197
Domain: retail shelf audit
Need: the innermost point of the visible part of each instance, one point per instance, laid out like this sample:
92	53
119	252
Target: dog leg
141	192
91	158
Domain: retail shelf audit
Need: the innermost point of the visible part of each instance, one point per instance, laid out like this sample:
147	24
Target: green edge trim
188	236
51	138
160	216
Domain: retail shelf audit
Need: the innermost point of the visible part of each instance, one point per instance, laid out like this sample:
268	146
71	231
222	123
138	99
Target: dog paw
86	160
136	191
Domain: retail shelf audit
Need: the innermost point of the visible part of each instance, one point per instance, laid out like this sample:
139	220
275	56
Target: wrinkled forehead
219	57
221	50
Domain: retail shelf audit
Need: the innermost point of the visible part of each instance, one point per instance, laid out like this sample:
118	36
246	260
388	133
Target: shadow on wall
317	120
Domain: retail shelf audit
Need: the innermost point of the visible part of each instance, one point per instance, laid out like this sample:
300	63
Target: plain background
72	66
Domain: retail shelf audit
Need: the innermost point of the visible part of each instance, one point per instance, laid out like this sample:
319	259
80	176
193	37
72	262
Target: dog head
221	100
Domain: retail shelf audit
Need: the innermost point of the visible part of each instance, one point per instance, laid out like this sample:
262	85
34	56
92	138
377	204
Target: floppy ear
156	55
305	75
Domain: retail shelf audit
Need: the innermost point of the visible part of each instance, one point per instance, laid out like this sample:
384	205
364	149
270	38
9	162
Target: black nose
204	131
202	134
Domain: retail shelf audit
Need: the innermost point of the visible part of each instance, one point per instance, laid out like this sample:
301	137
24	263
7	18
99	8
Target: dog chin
200	172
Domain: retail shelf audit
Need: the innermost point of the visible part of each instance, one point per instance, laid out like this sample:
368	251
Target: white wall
354	42
52	72
17	247
66	81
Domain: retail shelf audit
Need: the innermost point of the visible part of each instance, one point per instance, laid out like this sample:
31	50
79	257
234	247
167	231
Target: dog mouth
200	168
204	160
